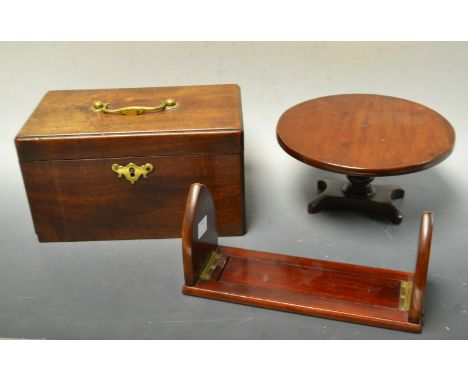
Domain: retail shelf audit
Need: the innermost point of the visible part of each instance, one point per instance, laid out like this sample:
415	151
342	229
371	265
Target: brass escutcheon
132	172
103	107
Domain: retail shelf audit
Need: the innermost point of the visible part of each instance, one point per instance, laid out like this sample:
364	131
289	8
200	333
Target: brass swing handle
103	107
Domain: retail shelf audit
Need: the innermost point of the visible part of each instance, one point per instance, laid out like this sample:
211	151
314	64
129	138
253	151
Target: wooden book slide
364	295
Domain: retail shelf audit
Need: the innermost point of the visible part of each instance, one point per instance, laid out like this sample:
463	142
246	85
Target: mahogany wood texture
198	244
422	266
327	289
365	134
201	108
66	152
336	194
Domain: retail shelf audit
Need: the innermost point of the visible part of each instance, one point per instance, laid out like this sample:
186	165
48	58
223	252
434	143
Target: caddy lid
71	124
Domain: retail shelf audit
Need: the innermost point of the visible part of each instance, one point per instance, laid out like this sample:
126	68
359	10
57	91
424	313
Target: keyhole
132	172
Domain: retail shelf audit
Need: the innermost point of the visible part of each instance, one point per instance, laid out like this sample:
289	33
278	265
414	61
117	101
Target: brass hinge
210	265
406	288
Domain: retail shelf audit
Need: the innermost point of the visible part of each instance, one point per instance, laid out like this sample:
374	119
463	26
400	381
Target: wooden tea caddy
360	294
116	164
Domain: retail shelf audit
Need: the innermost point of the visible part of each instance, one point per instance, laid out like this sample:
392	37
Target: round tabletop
365	134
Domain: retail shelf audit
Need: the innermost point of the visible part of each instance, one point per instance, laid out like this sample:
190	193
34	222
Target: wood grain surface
66	112
74	200
422	267
307	286
365	134
207	120
316	290
198	245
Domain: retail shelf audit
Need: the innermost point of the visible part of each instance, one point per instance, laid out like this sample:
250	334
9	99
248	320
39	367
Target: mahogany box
118	163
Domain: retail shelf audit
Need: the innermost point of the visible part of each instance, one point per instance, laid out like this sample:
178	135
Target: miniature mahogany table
364	136
373	296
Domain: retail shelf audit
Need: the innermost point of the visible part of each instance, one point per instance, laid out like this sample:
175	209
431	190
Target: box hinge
210	265
406	289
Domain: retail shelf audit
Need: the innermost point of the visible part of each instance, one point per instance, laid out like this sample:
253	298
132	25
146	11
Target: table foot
358	194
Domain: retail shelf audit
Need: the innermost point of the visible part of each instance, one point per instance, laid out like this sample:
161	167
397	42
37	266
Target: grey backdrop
131	289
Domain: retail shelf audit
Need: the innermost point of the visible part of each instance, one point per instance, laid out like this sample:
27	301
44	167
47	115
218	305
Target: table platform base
358	194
